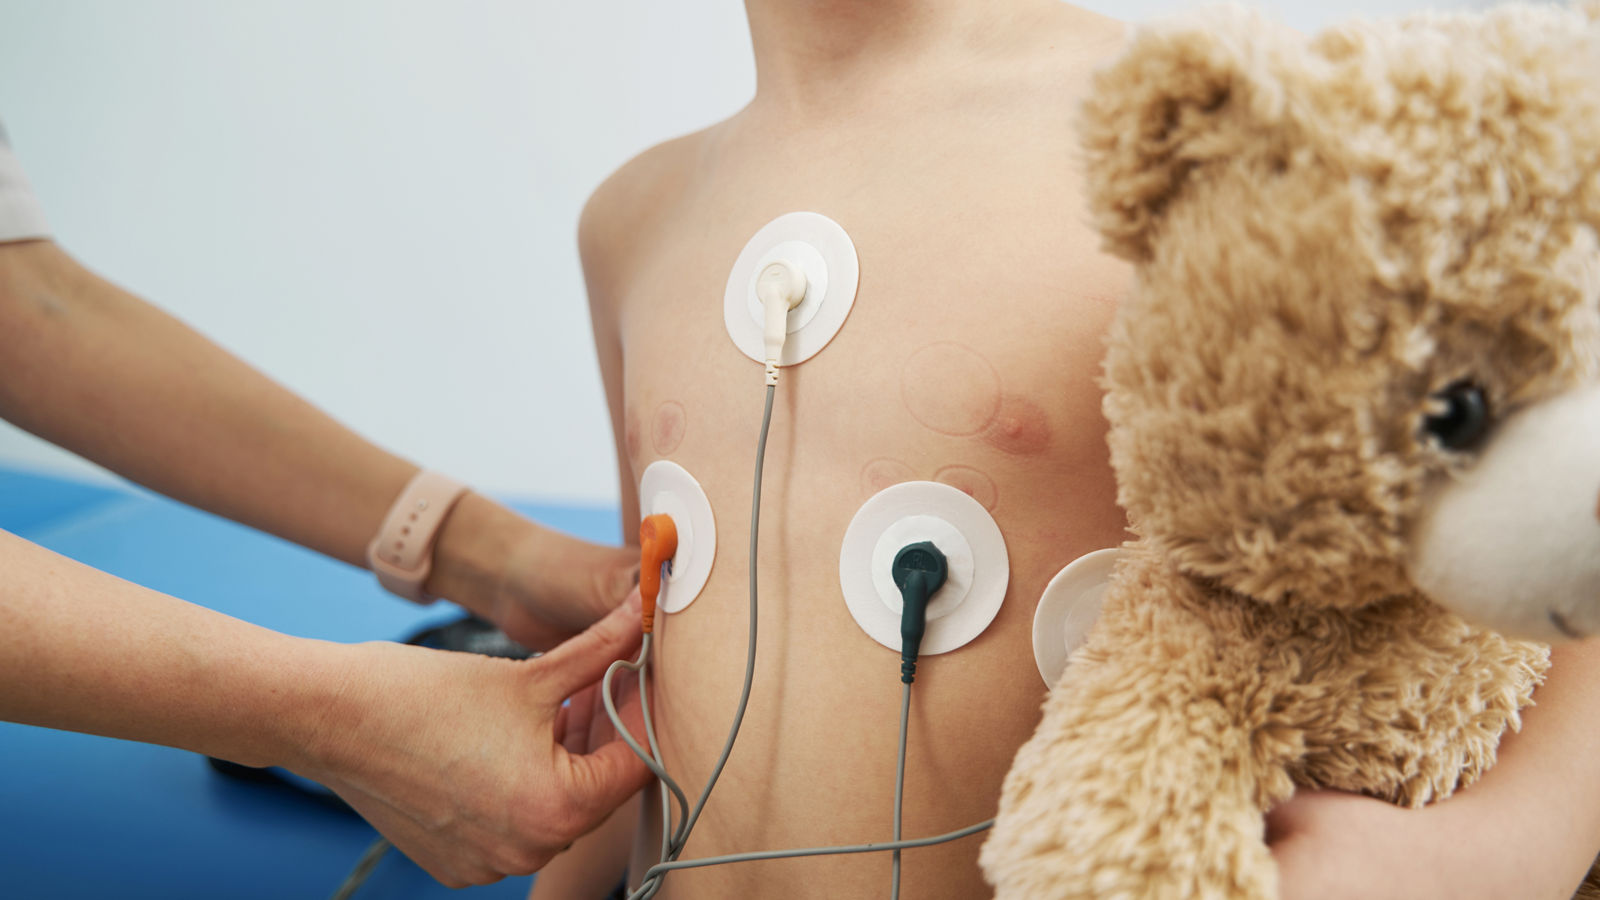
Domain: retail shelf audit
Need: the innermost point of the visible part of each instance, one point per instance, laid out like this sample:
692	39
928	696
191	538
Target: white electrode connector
820	289
780	288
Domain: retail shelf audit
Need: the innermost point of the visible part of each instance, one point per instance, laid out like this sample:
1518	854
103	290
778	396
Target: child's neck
812	53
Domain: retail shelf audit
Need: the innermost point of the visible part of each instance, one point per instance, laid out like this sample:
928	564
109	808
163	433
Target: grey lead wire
655	753
652	883
750	654
654	877
655	748
899	790
363	869
652	760
666	804
663	868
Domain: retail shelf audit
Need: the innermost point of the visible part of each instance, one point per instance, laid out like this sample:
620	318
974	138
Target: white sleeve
20	214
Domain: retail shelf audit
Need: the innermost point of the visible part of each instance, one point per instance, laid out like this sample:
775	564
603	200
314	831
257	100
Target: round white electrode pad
817	246
1068	609
979	567
669	488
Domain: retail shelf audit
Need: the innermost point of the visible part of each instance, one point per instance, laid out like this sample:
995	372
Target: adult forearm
84	651
88	366
94	369
483	791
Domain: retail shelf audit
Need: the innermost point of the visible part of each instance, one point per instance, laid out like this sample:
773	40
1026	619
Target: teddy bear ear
1183	93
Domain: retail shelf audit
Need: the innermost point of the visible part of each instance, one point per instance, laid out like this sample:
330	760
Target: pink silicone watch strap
402	553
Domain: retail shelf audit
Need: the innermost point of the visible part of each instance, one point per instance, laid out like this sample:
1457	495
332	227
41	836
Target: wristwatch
402	553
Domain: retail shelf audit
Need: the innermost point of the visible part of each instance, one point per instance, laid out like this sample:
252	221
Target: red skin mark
1020	427
950	388
630	435
971	482
883	472
666	433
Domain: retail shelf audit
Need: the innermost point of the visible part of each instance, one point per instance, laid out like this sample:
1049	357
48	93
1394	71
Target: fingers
580	722
602	781
615	581
563	717
625	696
582	660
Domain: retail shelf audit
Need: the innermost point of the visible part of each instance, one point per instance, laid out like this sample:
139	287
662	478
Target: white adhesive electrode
816	246
668	488
1067	610
975	552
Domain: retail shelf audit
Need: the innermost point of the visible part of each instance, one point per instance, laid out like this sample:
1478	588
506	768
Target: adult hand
458	759
554	586
538	585
584	725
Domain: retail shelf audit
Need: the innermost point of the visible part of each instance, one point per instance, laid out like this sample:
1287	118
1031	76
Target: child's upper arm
595	241
617	216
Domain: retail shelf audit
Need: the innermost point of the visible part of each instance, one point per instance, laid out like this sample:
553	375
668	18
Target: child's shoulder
636	198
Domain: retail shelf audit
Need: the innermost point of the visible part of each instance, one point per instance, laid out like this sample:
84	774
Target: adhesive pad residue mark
666	432
882	472
1020	427
971	482
631	438
951	389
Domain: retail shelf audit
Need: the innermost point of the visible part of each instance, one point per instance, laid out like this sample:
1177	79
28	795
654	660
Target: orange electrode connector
658	541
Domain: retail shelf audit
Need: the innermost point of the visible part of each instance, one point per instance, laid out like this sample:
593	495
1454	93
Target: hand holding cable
658	541
418	776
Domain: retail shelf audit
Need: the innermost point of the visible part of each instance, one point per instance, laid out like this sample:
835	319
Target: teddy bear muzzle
1511	541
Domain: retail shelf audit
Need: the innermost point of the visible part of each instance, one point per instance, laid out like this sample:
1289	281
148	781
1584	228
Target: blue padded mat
89	817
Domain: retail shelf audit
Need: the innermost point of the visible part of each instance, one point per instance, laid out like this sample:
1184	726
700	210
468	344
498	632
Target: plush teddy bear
1355	388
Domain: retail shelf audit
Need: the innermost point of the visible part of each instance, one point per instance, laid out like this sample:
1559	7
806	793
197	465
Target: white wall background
375	201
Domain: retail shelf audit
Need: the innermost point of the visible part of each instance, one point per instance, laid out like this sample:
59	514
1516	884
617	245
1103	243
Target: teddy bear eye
1461	418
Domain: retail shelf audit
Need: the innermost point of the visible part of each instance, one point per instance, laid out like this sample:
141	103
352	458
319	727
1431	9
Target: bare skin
95	369
98	371
941	138
939	134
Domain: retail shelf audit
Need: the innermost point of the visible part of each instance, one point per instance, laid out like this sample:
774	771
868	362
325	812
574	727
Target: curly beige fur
1326	231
